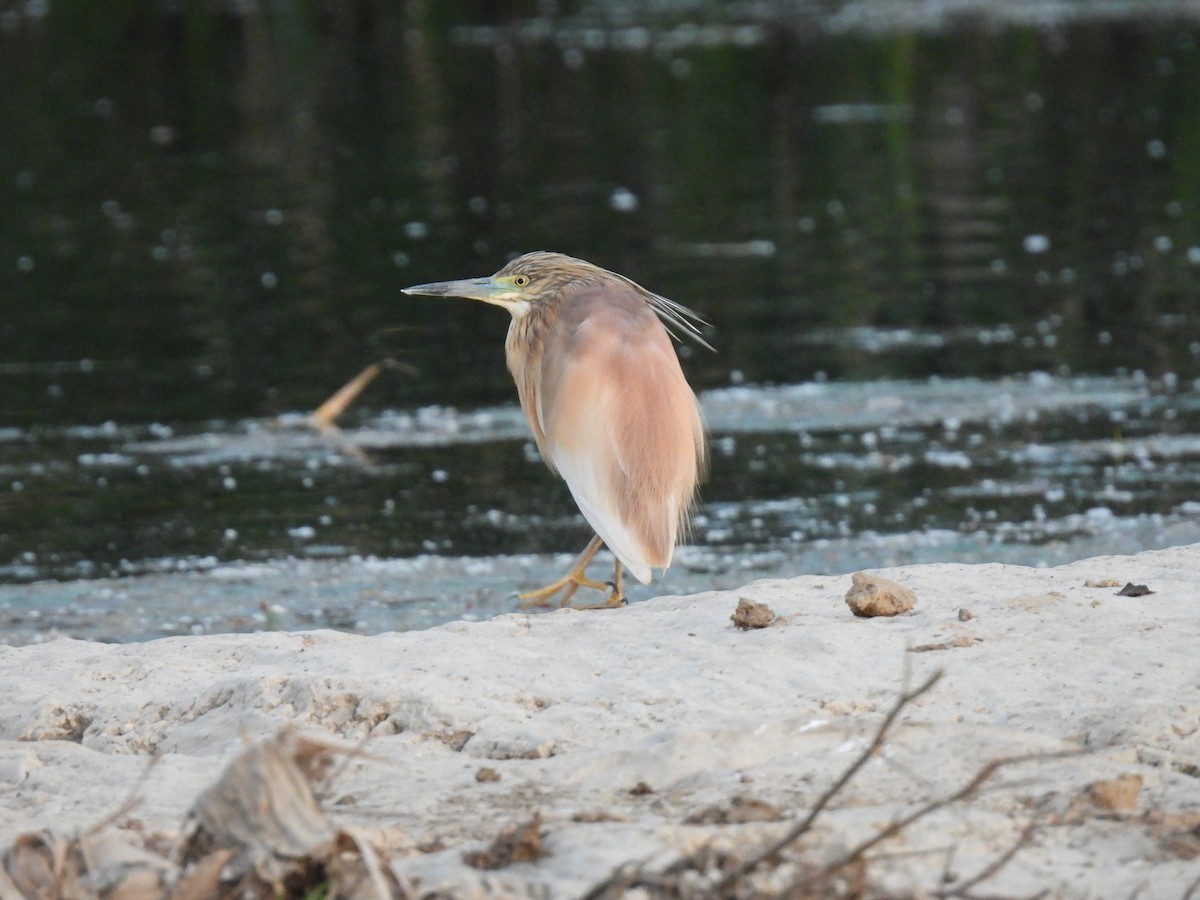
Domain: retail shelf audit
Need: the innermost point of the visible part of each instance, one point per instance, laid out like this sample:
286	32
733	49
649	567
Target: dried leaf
121	870
258	831
355	871
738	811
139	883
35	863
203	879
264	806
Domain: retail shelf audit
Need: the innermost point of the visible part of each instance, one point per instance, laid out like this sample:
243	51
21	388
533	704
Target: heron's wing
621	424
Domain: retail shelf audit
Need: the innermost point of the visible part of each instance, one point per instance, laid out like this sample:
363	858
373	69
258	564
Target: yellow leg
617	597
613	600
576	578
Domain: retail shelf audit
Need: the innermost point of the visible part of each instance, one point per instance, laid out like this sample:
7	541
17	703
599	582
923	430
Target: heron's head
522	284
525	282
542	278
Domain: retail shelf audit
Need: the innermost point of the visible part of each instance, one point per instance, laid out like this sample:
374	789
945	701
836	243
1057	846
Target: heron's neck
527	333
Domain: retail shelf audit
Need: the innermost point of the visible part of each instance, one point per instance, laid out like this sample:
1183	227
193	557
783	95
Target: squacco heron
605	397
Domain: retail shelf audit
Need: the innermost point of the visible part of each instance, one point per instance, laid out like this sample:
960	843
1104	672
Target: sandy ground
620	726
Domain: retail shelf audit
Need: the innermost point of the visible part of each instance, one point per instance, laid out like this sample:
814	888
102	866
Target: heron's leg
617	597
571	582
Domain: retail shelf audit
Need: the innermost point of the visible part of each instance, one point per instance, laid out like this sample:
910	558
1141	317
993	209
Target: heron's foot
567	586
614	600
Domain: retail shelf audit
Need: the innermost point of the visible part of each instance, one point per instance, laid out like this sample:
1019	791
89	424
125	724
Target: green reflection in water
219	210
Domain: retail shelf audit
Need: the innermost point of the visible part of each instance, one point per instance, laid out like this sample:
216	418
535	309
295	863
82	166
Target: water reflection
217	223
208	216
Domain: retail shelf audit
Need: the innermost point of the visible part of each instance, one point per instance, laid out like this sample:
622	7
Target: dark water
953	267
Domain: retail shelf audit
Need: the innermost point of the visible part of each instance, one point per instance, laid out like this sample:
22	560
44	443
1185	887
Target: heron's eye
520	280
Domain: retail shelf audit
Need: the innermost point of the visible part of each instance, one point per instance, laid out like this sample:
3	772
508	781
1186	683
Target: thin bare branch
796	832
1022	841
132	801
621	880
325	414
1193	890
965	792
348	756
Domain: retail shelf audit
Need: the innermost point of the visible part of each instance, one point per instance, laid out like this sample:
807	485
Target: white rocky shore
642	733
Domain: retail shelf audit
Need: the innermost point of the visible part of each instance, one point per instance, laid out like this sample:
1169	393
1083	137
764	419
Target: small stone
871	596
964	614
750	614
487	773
641	789
455	740
521	843
1134	590
1101	583
1117	794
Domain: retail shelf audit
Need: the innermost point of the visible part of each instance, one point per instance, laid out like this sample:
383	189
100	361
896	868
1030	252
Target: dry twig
814	882
1022	841
328	411
964	793
801	828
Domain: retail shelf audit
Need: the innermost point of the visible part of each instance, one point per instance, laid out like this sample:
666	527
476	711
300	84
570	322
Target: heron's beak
489	290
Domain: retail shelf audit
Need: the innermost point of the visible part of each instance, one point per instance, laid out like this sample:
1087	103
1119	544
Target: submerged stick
325	414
